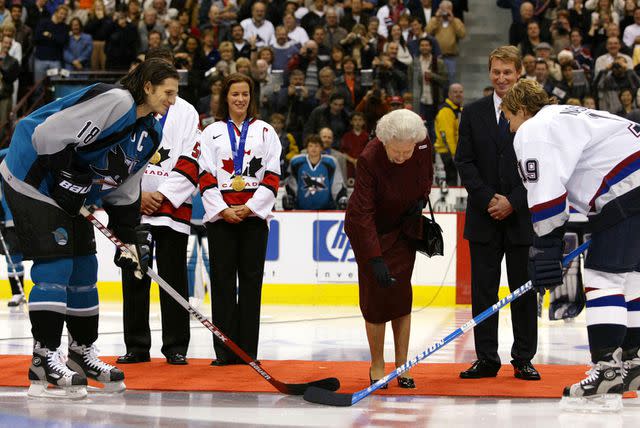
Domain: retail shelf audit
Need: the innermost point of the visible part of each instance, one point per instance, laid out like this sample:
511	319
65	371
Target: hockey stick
14	271
320	396
285	388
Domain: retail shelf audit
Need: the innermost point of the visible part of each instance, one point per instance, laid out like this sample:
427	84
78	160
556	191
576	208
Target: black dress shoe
372	381
134	357
525	370
480	369
177	359
405	382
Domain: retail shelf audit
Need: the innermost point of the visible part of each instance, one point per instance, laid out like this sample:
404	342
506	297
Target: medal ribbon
238	152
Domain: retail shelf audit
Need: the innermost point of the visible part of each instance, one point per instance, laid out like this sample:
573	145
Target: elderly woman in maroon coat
393	180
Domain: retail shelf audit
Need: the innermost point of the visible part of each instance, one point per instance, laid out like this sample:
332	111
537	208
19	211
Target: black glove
545	261
140	252
288	202
70	190
381	272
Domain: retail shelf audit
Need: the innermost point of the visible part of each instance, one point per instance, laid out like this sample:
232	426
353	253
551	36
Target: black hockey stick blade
329	398
327	384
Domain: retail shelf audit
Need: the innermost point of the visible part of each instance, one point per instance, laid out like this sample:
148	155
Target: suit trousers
171	258
486	259
237	253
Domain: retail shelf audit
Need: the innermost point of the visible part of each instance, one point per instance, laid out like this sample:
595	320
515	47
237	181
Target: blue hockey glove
381	272
70	190
545	262
138	260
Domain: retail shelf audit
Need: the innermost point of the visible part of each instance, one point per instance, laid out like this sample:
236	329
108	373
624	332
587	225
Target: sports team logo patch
61	236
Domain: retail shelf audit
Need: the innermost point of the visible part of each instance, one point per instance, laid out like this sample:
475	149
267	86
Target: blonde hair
525	95
507	53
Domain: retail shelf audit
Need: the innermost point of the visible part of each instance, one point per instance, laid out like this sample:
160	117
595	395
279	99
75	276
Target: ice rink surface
309	333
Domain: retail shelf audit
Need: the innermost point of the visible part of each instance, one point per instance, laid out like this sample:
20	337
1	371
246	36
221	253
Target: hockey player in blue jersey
315	181
591	158
90	146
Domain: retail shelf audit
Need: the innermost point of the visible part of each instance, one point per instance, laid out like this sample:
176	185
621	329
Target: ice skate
48	368
601	391
16	300
84	360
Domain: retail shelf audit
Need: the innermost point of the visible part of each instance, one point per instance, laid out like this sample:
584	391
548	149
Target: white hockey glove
138	257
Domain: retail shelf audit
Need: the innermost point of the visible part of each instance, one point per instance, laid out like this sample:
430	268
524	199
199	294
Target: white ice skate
601	391
16	300
49	368
84	360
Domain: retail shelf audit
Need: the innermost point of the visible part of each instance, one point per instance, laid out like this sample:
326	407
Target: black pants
237	253
171	258
485	281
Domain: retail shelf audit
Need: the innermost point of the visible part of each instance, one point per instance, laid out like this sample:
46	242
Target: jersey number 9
529	172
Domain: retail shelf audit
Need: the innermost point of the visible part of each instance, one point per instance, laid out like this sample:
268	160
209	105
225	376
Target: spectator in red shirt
353	143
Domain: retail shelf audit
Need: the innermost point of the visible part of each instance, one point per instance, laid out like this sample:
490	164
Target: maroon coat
384	193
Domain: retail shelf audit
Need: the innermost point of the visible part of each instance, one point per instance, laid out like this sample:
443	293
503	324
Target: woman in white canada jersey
591	158
240	164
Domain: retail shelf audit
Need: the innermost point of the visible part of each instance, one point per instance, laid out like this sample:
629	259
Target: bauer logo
330	242
273	243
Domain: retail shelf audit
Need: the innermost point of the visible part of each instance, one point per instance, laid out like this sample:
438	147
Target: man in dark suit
498	222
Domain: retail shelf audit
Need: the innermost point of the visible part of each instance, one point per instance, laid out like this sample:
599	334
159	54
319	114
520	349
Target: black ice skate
631	369
84	360
48	368
601	391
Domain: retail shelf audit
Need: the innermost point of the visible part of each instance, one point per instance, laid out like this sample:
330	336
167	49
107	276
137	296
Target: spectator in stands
422	11
295	102
257	25
315	17
429	81
373	35
193	49
314	181
528	67
533	38
333	32
184	18
327	78
283	48
35	11
388	15
543	78
288	142
448	30
308	61
98	27
332	115
335	60
628	103
15	50
353	15
329	144
373	106
580	52
518	28
395	36
388	77
23	33
241	48
605	7
357	46
631	35
598	40
561	31
149	23
446	126
296	34
77	53
353	143
543	51
317	36
50	38
9	72
571	87
226	54
165	14
219	29
619	77
174	39
350	83
208	115
210	53
604	62
120	47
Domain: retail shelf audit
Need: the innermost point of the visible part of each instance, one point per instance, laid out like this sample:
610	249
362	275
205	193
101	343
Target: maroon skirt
378	304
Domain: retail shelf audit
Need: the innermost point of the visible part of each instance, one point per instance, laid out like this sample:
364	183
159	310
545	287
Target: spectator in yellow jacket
447	121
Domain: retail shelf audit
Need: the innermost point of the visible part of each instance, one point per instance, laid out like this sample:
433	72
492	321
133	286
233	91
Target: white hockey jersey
180	132
588	157
211	165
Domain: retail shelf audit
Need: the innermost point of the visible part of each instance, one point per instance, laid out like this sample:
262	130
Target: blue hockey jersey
315	187
93	130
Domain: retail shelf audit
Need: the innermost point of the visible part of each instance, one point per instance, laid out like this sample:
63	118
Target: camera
298	90
616	66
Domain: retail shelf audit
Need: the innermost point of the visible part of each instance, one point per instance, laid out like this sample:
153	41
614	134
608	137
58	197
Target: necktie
503	125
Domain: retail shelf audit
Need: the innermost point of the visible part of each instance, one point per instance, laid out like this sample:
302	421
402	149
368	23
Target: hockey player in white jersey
591	158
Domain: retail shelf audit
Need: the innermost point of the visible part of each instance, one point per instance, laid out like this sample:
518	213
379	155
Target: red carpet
431	379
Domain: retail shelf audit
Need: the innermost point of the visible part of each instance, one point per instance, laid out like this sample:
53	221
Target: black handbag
432	243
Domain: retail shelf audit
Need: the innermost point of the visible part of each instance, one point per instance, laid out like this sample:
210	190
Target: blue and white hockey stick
322	396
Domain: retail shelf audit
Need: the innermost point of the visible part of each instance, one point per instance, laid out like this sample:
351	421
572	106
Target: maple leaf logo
227	165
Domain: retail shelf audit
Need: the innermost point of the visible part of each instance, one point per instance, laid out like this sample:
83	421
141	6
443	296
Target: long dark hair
223	106
153	70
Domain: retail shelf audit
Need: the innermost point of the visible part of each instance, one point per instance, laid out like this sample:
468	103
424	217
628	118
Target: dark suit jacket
487	165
